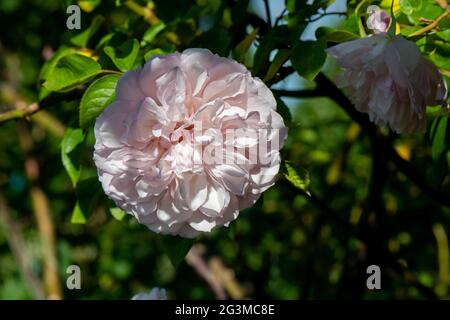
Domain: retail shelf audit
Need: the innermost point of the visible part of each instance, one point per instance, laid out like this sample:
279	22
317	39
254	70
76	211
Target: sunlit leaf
71	71
96	98
125	55
409	6
298	176
152	32
77	215
117	213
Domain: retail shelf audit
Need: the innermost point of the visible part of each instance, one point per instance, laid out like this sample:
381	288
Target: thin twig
309	93
268	16
277	21
41	210
431	26
17	245
321	15
195	260
146	12
442	3
23	112
20	109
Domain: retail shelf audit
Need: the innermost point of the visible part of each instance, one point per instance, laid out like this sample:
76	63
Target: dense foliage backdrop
350	196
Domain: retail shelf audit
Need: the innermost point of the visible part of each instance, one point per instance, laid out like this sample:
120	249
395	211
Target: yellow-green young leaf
410	6
151	33
176	248
96	98
88	5
70	153
298	176
280	58
71	71
308	58
117	213
125	55
241	49
77	215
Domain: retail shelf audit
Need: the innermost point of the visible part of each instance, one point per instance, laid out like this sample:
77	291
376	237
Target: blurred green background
286	247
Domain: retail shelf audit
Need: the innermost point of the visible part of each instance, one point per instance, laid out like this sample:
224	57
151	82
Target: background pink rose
387	78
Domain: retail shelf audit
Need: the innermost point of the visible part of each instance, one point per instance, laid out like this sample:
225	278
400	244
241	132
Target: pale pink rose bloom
387	78
147	141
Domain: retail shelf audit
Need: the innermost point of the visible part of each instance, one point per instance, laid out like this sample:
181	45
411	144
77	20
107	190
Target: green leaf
431	10
410	6
49	66
151	33
440	137
125	55
276	37
308	58
239	11
351	24
117	213
83	38
88	193
172	10
440	61
334	35
71	71
444	35
298	176
96	98
70	153
177	248
77	215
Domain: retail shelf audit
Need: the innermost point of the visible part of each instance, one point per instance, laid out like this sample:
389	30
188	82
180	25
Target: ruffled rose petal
152	143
